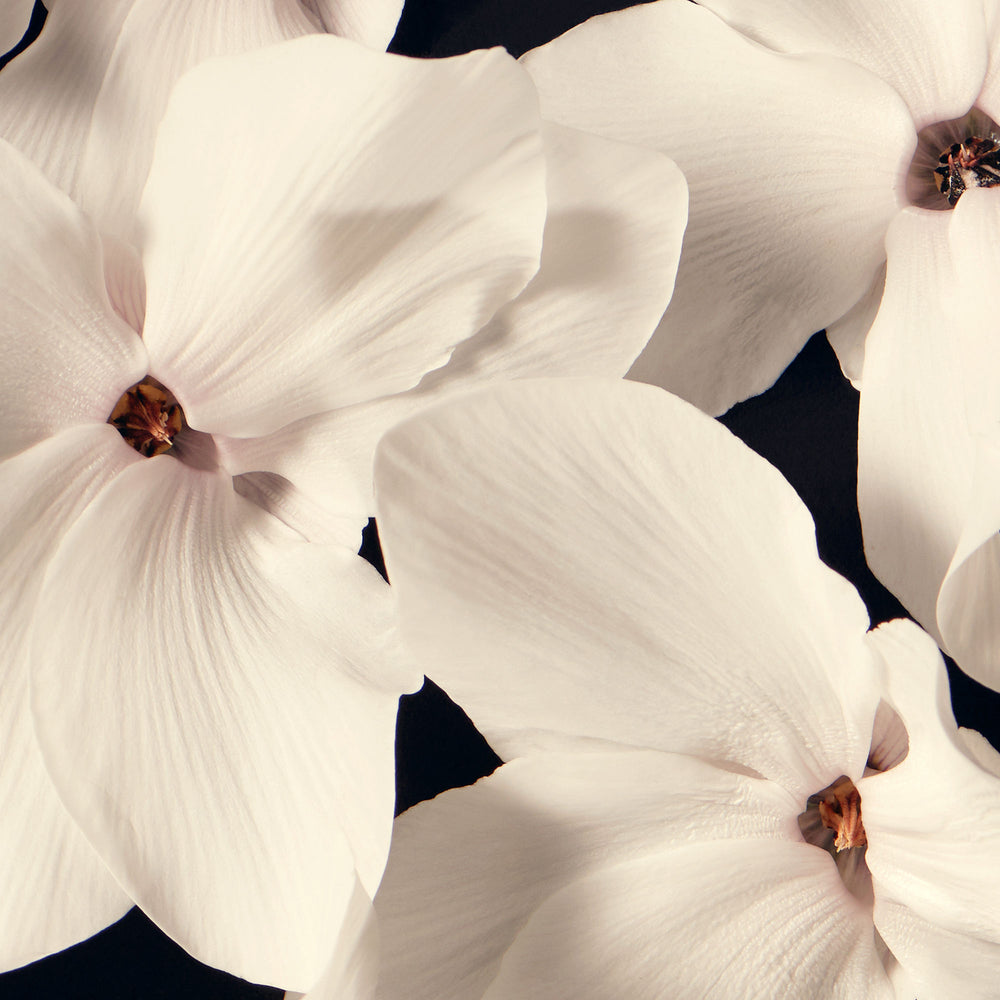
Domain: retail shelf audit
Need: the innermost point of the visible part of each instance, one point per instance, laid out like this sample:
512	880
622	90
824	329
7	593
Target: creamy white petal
301	260
468	868
759	920
372	22
573	560
915	456
225	737
788	207
65	356
848	334
934	54
56	891
933	825
14	18
86	100
989	97
612	238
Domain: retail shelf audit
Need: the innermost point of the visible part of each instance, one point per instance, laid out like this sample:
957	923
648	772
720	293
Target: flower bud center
839	808
974	162
148	417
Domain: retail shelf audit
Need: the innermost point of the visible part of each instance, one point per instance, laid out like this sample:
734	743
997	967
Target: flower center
972	163
839	808
148	417
952	157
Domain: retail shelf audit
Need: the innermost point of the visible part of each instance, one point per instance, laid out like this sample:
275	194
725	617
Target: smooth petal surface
56	891
572	561
760	920
253	680
372	22
468	869
848	334
933	827
298	261
65	356
612	238
86	100
929	453
14	18
759	274
934	55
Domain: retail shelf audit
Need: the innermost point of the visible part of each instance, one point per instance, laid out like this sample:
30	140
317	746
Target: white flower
808	133
630	601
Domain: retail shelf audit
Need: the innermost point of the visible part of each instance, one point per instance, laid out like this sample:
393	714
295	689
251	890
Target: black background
806	425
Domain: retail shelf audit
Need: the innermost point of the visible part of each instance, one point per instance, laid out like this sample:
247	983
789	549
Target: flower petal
65	356
468	868
848	334
253	679
936	63
753	919
298	263
56	889
759	274
928	452
612	238
86	100
592	573
14	18
933	827
372	22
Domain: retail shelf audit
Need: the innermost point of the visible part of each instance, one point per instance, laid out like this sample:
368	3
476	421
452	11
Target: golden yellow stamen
147	417
840	811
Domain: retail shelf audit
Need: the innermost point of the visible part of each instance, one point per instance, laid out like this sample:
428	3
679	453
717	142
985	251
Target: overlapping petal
934	56
612	238
56	889
85	100
928	472
468	869
933	824
611	591
355	240
225	734
786	226
66	356
372	22
14	18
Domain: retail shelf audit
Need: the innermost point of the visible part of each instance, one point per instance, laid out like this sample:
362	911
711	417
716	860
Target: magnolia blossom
720	785
817	139
186	463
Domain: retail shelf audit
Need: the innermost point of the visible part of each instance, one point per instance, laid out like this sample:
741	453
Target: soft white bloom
626	598
810	135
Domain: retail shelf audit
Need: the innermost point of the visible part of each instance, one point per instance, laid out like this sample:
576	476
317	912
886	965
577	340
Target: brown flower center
974	162
840	810
148	417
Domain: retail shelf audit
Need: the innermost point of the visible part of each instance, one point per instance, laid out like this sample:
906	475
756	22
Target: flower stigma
839	808
972	163
148	417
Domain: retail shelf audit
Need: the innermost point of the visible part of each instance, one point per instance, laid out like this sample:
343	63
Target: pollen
974	162
148	417
840	811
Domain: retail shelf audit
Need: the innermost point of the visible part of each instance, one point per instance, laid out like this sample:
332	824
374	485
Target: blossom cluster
269	287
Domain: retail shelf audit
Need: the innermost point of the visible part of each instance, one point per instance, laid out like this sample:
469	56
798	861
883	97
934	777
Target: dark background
806	425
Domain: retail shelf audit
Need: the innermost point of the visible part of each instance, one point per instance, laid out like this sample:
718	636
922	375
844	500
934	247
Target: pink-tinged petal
468	869
848	334
935	57
14	18
760	272
929	453
352	972
86	99
609	254
299	262
56	891
372	22
225	737
759	920
933	825
65	355
573	561
915	456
